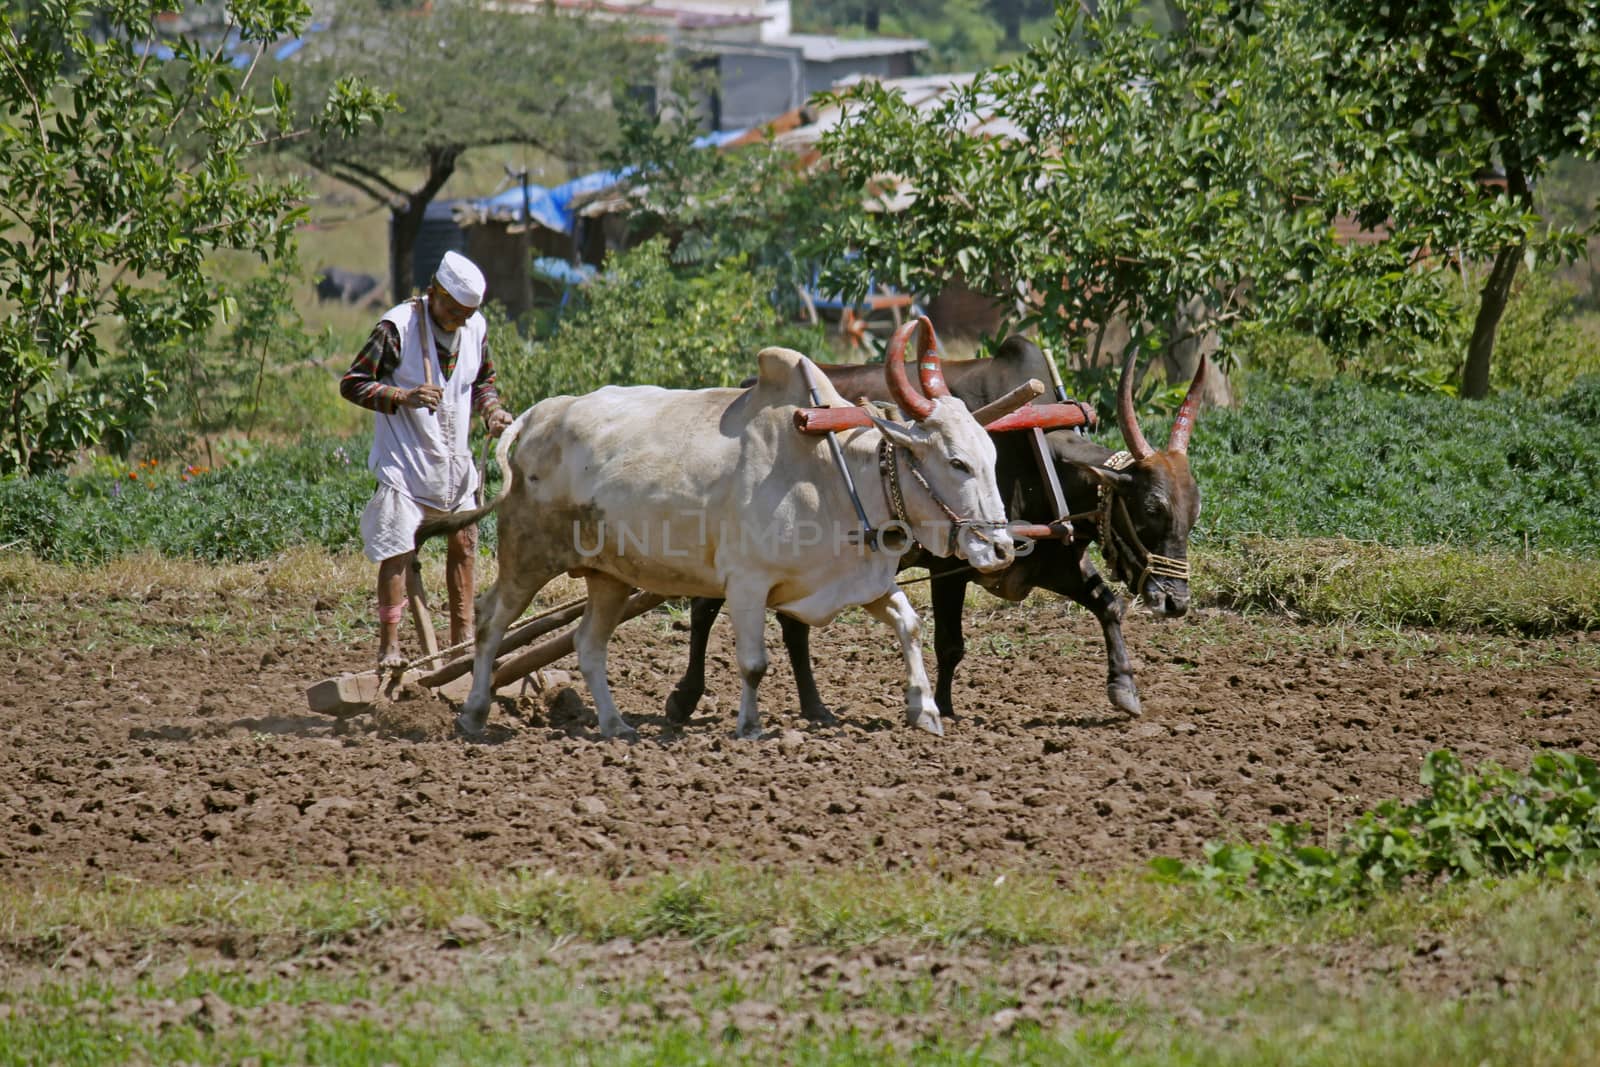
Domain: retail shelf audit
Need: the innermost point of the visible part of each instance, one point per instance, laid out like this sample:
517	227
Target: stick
547	652
419	608
1022	394
537	627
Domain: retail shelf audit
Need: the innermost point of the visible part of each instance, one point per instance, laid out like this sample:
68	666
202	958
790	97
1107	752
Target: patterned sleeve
485	395
377	359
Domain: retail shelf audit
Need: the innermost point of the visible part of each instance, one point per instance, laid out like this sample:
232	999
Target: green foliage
123	173
1541	348
756	203
1489	822
1343	459
1507	86
1145	171
262	501
643	323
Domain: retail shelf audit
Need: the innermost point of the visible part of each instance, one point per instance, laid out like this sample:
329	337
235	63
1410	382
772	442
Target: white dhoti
390	520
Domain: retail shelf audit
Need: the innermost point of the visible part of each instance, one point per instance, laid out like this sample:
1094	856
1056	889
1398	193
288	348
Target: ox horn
1126	418
929	372
1183	424
914	404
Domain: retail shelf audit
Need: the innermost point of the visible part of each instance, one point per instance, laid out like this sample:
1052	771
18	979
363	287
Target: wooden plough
356	692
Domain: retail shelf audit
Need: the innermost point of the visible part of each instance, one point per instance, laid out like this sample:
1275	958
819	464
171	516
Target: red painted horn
929	372
1126	417
1183	424
916	406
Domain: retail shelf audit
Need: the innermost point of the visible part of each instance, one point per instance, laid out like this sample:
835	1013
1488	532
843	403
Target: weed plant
1491	821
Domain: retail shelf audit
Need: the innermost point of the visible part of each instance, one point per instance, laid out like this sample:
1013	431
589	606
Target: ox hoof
680	708
622	732
1125	698
930	722
471	724
819	714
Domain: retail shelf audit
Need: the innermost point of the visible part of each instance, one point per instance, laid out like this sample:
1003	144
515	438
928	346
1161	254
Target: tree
1123	174
1512	85
467	76
756	203
123	172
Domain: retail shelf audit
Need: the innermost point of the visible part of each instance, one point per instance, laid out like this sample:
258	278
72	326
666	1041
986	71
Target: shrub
1492	821
640	323
310	493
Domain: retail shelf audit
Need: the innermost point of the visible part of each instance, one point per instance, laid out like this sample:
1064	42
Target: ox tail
458	520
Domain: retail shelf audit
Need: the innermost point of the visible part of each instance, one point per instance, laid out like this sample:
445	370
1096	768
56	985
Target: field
199	868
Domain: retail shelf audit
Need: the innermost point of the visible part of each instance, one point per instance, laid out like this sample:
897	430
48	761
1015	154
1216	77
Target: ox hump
782	378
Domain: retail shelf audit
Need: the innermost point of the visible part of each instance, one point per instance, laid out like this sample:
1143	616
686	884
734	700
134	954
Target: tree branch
373	185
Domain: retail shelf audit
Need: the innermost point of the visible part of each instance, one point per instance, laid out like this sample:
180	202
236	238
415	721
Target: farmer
424	371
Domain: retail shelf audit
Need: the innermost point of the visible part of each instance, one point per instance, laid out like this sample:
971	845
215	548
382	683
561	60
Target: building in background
760	68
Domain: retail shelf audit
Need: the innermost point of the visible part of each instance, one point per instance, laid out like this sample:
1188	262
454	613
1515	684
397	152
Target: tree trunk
404	226
1177	19
1193	337
405	223
1009	13
1492	305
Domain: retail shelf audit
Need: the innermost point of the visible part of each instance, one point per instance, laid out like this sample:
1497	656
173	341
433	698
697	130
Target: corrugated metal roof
925	93
818	48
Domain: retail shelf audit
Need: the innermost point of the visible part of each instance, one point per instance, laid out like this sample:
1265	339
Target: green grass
1246	981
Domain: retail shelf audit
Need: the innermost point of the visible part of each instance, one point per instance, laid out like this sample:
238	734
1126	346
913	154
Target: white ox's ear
912	436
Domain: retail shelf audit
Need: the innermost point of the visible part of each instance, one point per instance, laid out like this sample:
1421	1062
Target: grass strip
1493	970
1360	583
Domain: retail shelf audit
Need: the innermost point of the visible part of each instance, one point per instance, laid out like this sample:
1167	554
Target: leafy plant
642	322
1345	459
123	174
1491	821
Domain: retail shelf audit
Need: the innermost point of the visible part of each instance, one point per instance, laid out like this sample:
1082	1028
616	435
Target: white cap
461	278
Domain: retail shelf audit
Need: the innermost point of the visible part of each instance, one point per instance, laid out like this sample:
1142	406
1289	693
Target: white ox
714	492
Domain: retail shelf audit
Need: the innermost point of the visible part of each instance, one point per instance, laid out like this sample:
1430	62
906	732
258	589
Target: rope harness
1119	542
889	471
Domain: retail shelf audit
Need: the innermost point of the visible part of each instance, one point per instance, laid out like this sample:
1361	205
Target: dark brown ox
1138	504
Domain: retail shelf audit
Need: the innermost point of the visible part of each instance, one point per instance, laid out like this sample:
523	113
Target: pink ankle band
391	612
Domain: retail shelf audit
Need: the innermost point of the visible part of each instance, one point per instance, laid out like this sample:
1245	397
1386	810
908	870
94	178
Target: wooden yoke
1027	417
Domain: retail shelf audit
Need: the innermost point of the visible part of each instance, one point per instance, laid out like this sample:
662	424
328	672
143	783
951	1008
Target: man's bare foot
391	660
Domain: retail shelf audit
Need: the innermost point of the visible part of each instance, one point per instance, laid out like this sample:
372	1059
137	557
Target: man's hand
423	396
497	421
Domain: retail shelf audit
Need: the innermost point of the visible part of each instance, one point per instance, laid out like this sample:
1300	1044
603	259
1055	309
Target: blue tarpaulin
552	208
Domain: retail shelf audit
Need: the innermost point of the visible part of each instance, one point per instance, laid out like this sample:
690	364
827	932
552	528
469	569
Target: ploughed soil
177	758
160	749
